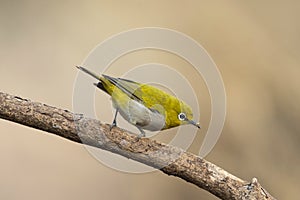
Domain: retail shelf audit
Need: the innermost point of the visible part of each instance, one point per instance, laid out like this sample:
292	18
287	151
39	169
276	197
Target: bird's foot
114	124
142	134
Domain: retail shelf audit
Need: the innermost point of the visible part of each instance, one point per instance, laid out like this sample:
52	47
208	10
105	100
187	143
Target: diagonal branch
170	160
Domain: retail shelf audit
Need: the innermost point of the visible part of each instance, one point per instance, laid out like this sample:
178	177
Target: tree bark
170	160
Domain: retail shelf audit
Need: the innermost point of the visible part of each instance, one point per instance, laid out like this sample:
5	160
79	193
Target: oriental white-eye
143	105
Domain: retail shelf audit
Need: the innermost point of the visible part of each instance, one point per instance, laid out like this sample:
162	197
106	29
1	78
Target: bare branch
170	160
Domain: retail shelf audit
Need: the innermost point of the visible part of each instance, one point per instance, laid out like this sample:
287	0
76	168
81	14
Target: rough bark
170	160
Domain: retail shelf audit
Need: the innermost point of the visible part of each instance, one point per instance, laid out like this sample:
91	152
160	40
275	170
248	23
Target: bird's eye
181	116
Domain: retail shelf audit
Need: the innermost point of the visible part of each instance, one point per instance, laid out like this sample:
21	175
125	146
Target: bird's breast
139	115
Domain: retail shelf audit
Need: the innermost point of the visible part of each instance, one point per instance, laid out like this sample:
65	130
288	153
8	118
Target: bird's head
180	114
185	115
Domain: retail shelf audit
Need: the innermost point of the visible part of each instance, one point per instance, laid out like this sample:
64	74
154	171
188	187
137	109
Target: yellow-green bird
144	106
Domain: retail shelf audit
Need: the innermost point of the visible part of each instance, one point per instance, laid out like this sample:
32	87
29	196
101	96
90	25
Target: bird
143	105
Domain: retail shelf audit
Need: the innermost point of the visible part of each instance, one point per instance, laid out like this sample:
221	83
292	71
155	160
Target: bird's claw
114	124
142	134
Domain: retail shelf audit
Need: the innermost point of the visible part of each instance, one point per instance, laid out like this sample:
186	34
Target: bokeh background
255	45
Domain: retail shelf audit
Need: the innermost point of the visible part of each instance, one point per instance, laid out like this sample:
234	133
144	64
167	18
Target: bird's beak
194	123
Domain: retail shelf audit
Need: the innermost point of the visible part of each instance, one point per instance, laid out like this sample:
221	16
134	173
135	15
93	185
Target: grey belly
141	116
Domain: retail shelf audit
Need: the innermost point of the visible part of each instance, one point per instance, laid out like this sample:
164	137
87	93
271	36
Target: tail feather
88	72
100	86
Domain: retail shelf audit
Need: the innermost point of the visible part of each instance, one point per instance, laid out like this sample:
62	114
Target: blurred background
255	45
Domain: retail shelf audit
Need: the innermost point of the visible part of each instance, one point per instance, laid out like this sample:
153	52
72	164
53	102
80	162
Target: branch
170	160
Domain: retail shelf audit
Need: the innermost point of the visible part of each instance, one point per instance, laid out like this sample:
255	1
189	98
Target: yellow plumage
143	105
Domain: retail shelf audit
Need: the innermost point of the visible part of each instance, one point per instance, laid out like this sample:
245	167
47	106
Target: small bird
142	105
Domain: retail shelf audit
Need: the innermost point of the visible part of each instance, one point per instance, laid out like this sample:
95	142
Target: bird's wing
151	97
131	88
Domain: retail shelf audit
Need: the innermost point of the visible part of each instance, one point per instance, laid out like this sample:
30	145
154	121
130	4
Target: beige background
255	45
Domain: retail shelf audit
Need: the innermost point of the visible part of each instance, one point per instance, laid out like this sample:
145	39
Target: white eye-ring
181	116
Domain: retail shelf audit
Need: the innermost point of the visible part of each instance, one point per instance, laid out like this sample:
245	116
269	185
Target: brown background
255	45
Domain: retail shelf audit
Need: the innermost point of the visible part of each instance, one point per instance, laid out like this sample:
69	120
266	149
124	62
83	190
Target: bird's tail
101	80
89	72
